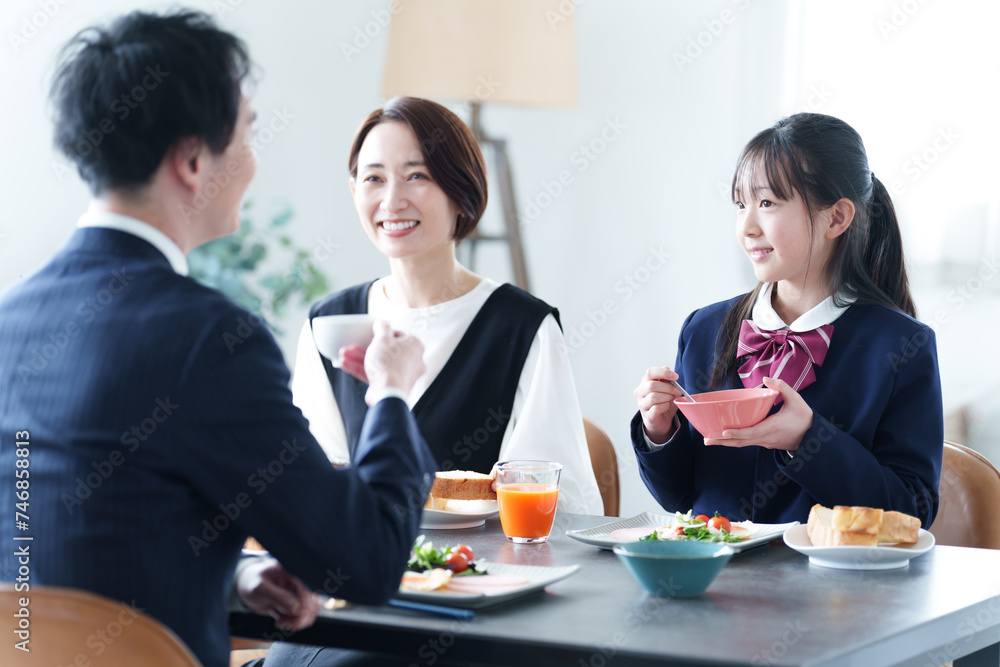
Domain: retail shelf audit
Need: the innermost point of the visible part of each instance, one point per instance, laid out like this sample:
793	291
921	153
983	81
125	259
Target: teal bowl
674	569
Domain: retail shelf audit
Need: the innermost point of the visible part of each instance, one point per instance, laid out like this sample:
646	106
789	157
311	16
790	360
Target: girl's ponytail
883	250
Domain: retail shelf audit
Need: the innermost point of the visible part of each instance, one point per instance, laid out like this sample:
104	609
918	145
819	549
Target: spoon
683	391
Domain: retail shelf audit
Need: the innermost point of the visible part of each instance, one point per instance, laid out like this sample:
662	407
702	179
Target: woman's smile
397	228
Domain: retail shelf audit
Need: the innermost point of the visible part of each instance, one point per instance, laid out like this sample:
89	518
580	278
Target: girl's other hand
782	430
655	396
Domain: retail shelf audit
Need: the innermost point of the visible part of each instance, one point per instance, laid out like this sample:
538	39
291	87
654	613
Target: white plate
885	557
538	578
447	520
600	536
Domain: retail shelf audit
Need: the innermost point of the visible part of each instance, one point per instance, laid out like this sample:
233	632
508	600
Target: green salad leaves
688	527
458	559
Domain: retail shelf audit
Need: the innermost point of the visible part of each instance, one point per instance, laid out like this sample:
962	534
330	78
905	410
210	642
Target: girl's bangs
764	165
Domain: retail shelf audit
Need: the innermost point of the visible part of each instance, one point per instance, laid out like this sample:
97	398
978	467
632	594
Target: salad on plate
688	526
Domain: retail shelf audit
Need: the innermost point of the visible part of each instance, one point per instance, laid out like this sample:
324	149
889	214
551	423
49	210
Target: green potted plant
232	265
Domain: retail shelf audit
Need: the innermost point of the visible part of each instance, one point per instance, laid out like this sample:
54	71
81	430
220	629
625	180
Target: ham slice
630	534
491	584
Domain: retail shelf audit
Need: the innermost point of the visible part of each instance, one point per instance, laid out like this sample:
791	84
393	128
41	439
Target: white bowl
332	332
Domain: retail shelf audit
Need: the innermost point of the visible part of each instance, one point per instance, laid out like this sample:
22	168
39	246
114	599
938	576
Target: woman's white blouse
545	424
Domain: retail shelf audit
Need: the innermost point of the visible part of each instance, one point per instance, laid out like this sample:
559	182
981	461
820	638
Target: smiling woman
403	211
422	139
498	383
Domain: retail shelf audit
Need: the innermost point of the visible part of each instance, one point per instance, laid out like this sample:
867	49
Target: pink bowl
715	411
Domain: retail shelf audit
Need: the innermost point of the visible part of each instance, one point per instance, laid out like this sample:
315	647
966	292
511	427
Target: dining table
768	606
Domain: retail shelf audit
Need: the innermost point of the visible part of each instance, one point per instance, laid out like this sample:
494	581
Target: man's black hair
123	95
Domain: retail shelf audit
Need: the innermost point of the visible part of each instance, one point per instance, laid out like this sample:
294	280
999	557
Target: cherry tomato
720	522
456	562
702	517
467	550
679	531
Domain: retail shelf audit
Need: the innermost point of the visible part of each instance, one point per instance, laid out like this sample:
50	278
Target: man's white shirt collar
825	312
143	230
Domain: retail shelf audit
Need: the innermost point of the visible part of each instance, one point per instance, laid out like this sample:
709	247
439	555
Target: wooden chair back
65	626
604	460
969	509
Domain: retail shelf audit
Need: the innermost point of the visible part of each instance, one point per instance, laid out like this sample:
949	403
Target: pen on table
441	610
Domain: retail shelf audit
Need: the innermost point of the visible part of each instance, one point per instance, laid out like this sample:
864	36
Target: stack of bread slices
860	526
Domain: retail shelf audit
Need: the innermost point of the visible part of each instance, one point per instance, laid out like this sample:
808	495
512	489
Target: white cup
332	332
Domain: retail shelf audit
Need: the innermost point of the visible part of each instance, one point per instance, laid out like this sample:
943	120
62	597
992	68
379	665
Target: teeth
399	226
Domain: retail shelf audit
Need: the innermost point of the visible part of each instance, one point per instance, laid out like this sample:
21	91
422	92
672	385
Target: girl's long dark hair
824	160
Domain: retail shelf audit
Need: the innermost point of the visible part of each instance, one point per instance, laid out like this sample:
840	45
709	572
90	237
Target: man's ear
841	217
350	182
187	161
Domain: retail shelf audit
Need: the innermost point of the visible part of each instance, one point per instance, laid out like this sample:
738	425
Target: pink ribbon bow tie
783	354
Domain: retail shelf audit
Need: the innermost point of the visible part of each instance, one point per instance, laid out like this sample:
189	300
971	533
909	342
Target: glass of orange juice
527	492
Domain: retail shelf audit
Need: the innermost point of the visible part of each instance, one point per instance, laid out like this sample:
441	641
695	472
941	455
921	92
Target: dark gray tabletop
769	606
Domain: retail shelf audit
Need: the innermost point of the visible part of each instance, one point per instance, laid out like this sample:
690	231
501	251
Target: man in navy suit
147	418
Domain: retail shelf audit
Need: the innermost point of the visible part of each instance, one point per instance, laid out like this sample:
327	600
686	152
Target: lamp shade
519	52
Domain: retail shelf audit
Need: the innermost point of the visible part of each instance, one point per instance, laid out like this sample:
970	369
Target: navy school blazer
876	439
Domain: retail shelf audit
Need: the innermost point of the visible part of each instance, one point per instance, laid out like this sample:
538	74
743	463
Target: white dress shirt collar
826	312
143	230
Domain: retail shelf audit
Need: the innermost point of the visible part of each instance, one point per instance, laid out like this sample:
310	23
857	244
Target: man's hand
267	588
393	360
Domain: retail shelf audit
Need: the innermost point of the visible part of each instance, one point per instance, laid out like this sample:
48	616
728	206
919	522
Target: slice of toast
900	528
823	532
463	485
864	520
859	526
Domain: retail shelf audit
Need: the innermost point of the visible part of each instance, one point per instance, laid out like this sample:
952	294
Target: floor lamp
517	52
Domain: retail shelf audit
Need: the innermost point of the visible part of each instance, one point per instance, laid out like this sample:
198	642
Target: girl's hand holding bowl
782	430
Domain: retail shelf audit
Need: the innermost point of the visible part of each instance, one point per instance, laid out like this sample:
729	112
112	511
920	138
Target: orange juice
527	510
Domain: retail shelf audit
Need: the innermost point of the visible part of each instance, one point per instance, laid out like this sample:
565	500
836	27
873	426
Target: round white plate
447	520
538	577
600	536
884	557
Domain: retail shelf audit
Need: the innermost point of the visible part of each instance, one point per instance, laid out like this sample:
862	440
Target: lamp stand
505	183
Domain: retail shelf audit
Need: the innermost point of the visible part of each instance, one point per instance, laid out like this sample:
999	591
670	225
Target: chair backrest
604	460
64	626
969	510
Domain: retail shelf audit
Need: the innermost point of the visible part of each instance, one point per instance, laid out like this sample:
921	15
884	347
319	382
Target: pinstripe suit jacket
161	432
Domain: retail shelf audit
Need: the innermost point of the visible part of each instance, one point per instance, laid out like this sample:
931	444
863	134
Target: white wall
661	184
655	189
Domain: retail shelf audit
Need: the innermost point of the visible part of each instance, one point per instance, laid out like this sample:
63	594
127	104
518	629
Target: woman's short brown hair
449	149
